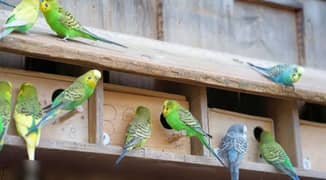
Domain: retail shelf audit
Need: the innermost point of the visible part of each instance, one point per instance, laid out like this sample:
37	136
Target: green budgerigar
273	153
28	113
5	109
138	132
72	97
65	25
180	119
22	18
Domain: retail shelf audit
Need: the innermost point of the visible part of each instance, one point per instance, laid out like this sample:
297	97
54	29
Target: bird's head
144	112
169	106
5	87
297	73
91	77
263	136
238	129
27	90
47	5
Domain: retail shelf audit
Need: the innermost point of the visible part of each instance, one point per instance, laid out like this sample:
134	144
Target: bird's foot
80	109
65	39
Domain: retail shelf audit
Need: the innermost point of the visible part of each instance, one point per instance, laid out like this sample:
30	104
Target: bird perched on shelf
72	97
285	74
22	18
5	109
273	153
233	147
138	132
65	25
28	113
180	119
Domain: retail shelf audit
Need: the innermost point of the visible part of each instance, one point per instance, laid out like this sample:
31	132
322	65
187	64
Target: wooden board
119	109
70	127
313	146
221	120
241	28
165	61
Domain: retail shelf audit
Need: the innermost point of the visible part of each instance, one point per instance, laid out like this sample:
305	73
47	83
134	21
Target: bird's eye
46	5
89	78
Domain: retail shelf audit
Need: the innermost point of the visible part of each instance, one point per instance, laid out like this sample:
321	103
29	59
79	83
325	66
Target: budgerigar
65	25
233	148
284	74
5	109
180	119
138	132
273	153
28	113
7	4
22	18
72	97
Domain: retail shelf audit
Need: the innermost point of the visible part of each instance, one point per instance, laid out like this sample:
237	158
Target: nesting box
71	126
221	120
120	104
313	146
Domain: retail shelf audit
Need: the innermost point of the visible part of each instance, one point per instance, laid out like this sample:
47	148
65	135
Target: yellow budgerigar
22	18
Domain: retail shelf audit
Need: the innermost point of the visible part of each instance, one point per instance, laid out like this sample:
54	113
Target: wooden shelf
163	61
190	166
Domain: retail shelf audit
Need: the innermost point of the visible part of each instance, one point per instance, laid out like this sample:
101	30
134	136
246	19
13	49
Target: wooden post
287	128
95	115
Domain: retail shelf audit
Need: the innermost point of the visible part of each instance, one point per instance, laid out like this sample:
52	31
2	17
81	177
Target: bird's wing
277	70
68	20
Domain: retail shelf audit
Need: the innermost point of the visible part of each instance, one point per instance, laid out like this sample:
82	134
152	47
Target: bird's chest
174	121
56	25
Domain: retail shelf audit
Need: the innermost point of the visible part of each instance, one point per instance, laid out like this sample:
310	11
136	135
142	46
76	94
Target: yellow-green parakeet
28	113
5	109
65	25
273	153
180	119
22	18
138	132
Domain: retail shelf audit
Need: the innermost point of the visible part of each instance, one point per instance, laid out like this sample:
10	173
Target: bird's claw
80	109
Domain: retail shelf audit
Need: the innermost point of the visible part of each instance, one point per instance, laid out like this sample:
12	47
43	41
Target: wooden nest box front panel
221	120
120	104
313	145
72	126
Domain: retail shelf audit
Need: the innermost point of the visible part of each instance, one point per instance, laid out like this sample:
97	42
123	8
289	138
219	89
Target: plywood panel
221	120
314	26
313	146
247	29
69	127
119	108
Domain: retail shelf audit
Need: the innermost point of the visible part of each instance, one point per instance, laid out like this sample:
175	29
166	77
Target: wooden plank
312	136
165	61
314	25
286	4
189	166
287	128
253	30
221	120
95	115
119	109
70	126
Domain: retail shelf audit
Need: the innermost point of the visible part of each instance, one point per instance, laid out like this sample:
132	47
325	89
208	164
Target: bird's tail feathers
122	155
93	36
234	171
31	142
259	68
7	4
6	32
204	141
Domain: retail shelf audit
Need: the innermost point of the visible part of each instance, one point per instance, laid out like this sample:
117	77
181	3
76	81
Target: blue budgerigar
285	74
233	148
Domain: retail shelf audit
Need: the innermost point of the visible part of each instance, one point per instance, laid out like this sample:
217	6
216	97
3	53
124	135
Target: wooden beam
286	4
164	61
95	115
287	128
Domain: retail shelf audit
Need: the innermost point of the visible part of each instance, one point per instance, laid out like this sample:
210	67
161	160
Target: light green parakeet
138	132
273	153
5	109
65	25
180	119
75	95
28	113
22	18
